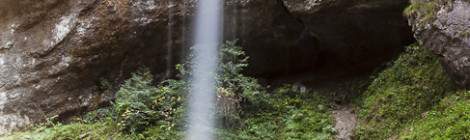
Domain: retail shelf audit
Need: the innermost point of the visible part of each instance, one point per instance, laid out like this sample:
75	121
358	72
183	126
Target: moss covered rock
450	119
401	93
443	27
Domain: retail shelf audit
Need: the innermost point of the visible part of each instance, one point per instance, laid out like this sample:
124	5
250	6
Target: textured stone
447	33
55	52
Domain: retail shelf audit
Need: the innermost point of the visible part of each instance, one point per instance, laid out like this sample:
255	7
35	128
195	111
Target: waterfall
170	37
204	69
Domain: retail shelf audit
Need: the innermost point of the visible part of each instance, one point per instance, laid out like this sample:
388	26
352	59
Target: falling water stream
204	68
169	43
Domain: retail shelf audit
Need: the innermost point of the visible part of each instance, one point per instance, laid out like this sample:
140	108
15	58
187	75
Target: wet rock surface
445	29
54	54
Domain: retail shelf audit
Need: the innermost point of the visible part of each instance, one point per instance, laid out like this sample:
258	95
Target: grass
449	120
288	114
74	131
401	95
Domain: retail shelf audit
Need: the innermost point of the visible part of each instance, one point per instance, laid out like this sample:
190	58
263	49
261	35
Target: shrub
139	104
234	87
133	102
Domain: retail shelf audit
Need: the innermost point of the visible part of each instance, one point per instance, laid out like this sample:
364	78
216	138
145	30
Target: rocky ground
345	121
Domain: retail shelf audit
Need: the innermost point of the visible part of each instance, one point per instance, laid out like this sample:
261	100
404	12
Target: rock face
55	53
444	27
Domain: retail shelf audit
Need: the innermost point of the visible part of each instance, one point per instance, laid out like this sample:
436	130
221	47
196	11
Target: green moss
465	34
423	11
449	120
400	94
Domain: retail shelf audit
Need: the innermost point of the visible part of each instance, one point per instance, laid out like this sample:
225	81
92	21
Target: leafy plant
134	102
139	104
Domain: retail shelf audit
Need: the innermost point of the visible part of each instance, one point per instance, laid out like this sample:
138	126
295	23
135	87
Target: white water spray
205	62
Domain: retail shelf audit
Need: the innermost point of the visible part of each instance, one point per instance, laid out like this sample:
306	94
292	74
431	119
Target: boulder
444	28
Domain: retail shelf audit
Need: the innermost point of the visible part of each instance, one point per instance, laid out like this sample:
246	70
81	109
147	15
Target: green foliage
139	104
75	131
423	11
307	124
231	78
100	115
413	85
133	103
287	114
233	86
